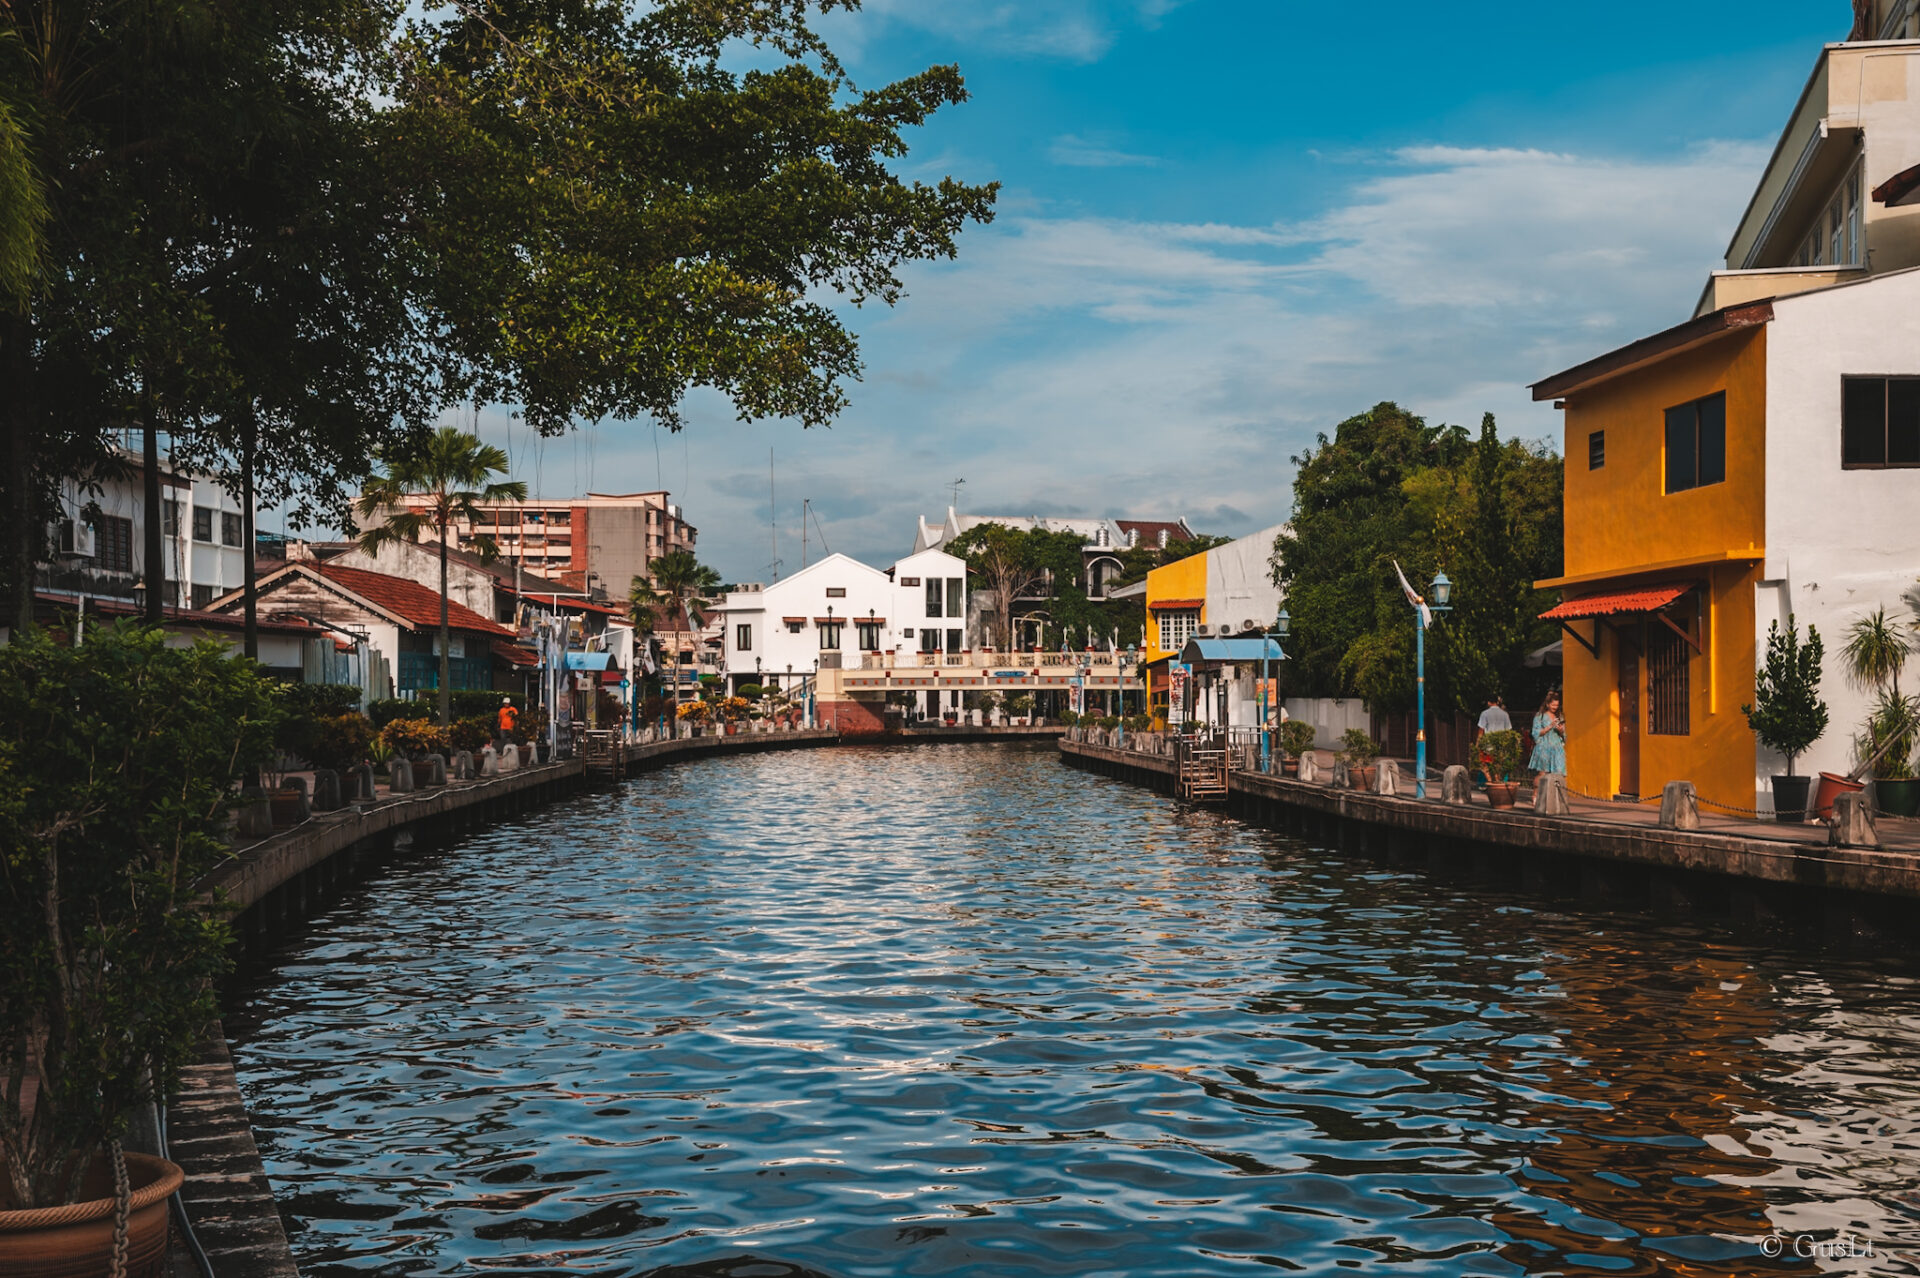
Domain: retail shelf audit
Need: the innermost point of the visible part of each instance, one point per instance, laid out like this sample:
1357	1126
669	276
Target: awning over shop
1615	603
590	661
514	653
1222	651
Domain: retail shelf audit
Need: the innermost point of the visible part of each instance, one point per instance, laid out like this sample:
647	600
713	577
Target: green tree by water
681	590
428	489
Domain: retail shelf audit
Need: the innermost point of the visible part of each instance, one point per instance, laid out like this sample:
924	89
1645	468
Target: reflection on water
960	1010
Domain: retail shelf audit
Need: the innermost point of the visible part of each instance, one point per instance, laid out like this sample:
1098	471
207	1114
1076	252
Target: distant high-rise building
596	544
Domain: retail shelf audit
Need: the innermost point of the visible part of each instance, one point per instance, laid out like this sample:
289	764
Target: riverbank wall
1858	899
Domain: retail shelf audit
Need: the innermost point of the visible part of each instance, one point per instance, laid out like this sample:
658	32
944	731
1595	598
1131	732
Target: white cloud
1069	30
1083	153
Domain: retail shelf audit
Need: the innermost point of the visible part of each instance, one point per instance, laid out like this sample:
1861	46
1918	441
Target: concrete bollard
362	777
1309	768
256	813
1853	825
326	791
463	765
509	758
399	776
1342	775
488	763
1679	806
1387	779
1550	795
433	770
1456	786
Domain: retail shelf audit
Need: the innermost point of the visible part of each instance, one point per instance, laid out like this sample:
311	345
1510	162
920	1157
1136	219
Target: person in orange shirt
507	716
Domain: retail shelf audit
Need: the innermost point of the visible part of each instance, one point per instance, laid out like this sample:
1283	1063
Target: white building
839	613
99	543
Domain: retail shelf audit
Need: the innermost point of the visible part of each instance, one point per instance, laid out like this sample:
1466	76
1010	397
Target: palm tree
682	587
1876	652
428	489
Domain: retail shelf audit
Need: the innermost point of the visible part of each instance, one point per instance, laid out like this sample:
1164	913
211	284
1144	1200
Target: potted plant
123	758
1296	738
1887	748
1787	713
1875	653
1499	755
1359	750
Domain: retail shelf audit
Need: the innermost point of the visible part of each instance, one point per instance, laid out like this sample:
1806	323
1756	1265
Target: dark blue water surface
963	1010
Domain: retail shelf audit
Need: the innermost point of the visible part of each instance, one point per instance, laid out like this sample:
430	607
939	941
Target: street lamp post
1282	625
1120	678
1422	613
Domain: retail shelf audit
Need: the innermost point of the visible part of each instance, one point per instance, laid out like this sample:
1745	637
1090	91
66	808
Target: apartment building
596	544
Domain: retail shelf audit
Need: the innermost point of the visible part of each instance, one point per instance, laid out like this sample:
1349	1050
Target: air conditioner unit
1250	625
1203	629
76	538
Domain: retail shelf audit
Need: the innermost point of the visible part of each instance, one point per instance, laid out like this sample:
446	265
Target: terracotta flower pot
1363	778
1832	786
1501	794
76	1241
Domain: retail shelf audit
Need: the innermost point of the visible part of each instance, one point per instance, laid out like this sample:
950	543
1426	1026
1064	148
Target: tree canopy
1389	487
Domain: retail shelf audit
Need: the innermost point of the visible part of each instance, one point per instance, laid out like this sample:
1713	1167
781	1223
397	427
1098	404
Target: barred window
1177	627
113	544
1669	682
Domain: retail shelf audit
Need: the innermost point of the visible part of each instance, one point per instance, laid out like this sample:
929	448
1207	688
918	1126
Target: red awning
1178	603
1615	603
829	621
795	621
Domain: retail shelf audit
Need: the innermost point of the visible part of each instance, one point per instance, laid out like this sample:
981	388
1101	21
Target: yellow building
1224	591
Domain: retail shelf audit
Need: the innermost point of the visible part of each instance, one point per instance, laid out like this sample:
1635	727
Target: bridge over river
963	1010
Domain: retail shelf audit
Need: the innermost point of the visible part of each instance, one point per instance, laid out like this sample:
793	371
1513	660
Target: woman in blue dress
1549	738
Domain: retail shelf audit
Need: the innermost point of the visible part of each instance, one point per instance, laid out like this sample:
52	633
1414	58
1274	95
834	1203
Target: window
1879	421
1697	443
830	636
907	633
1596	450
795	627
1834	239
229	529
869	635
935	595
836	592
909	581
113	544
1177	627
929	640
169	518
203	523
743	638
953	641
202	595
956	596
1669	685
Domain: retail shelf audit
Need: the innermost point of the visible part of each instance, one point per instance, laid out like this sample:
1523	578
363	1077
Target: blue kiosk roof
1234	651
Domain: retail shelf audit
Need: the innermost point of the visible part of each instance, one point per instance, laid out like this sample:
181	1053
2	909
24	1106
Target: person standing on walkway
1549	738
1494	718
507	717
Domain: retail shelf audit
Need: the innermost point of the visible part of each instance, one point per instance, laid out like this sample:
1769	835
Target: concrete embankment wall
1859	898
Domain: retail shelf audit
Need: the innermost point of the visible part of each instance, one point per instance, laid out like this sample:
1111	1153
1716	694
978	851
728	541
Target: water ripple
963	1011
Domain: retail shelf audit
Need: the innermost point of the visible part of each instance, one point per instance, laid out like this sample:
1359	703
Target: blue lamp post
1120	678
1282	627
1442	602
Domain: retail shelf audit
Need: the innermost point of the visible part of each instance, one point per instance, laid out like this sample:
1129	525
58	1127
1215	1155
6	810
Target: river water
963	1010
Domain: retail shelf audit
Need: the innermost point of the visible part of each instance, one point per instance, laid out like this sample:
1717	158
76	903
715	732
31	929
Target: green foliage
384	712
340	741
470	703
118	766
1499	753
320	700
1139	722
1886	744
676	599
751	691
1296	737
1073	718
1358	748
1787	713
473	733
1040	564
1388	487
411	738
1019	703
1876	651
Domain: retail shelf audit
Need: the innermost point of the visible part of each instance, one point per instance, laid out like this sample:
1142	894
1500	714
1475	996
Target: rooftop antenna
957	485
773	519
803	532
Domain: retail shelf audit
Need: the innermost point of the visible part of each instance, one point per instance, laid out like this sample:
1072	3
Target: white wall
910	611
1239	583
774	647
1839	542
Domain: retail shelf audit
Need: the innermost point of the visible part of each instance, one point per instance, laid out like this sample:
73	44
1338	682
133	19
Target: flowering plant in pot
1499	755
1359	751
1787	713
119	766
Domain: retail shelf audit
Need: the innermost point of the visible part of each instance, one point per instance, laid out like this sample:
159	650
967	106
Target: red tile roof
1615	603
574	601
409	600
514	653
1150	529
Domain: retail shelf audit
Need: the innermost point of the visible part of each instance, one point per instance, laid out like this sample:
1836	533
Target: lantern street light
1120	677
1442	590
1282	624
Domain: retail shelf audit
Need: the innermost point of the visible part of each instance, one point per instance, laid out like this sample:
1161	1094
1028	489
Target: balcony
1737	288
1062	662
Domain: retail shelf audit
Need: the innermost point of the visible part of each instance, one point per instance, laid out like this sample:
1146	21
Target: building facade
1223	592
596	544
99	542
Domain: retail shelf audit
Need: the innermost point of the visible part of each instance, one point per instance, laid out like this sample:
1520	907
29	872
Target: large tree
680	591
1388	488
428	489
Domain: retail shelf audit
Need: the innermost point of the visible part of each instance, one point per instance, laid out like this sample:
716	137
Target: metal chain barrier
122	1206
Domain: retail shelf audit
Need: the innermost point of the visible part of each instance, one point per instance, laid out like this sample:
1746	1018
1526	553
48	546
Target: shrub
119	761
530	727
413	737
340	742
1142	722
695	712
1787	713
469	703
387	710
1108	722
751	691
1357	748
1070	718
1296	737
1499	754
320	700
471	733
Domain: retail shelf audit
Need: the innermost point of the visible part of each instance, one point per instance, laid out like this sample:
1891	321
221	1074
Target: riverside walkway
1616	855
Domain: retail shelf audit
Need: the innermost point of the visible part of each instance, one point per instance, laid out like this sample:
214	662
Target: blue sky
1224	226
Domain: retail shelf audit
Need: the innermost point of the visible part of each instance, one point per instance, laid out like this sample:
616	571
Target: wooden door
1629	717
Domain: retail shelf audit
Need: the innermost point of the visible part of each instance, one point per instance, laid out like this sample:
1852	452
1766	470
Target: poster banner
1178	679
